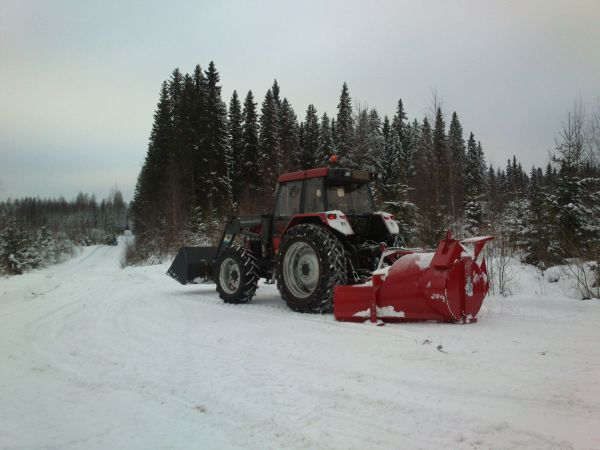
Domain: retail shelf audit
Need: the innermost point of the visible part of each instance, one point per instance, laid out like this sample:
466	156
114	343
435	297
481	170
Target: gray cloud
79	81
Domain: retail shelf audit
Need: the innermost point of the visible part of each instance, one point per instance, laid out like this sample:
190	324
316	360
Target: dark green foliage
431	219
217	183
441	167
309	151
236	146
360	156
540	240
391	186
344	128
250	161
268	143
405	139
325	141
289	140
456	166
375	143
474	186
16	253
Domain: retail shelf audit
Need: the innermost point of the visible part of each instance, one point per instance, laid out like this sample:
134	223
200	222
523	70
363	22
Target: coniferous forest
210	157
37	232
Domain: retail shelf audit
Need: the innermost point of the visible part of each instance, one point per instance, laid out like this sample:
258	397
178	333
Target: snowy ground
93	356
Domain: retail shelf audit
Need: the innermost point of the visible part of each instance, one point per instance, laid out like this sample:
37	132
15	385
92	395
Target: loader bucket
193	264
448	285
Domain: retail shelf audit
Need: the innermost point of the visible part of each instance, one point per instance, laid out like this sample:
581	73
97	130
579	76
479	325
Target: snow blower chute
448	285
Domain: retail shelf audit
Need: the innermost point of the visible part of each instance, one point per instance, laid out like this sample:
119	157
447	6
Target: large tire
236	275
310	264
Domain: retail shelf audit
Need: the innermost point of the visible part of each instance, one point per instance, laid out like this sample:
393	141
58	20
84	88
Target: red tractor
328	248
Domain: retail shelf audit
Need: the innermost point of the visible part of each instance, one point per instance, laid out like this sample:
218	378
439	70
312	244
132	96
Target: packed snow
423	260
94	356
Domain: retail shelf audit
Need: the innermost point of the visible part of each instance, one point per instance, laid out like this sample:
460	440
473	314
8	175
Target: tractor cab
340	199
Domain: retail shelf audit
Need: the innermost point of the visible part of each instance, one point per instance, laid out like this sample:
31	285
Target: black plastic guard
193	264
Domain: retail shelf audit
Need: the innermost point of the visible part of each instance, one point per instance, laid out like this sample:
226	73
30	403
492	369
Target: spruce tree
456	164
344	129
236	146
218	185
474	183
408	160
325	141
268	143
187	163
375	142
310	146
404	142
147	202
431	220
199	160
391	186
398	124
334	132
540	243
360	155
441	171
250	158
173	199
289	139
276	98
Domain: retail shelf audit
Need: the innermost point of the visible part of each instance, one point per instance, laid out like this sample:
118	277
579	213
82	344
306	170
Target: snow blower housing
330	249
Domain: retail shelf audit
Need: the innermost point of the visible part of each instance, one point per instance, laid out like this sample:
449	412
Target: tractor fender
335	220
389	221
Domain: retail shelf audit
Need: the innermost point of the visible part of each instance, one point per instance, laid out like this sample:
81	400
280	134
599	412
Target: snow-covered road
93	356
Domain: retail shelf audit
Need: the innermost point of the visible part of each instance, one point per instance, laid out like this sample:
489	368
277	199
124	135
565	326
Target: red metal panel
301	175
450	289
316	173
292	176
447	252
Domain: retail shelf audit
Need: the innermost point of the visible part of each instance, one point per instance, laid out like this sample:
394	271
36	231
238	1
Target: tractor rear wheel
236	275
311	263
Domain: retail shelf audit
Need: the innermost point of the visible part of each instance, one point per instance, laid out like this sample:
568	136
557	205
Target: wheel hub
229	276
301	269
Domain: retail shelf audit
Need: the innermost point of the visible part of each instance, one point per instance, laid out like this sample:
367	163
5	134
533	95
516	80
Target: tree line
207	159
36	232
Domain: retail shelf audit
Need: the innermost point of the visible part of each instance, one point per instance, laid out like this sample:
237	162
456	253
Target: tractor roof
301	175
336	173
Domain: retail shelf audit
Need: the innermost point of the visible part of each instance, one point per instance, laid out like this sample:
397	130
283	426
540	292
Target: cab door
288	204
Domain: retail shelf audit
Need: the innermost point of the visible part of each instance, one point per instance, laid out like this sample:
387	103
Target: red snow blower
446	286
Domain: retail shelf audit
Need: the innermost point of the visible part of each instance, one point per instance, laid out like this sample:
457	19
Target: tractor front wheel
236	275
311	263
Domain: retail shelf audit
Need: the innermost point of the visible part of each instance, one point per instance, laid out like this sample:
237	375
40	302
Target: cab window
350	198
313	196
288	199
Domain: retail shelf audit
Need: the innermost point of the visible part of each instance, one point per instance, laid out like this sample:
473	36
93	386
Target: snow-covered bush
110	239
552	274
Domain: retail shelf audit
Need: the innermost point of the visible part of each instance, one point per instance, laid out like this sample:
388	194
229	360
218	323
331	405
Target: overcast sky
79	80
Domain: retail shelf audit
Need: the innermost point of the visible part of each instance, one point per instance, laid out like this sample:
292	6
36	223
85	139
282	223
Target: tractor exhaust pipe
448	285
